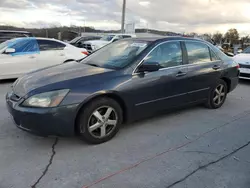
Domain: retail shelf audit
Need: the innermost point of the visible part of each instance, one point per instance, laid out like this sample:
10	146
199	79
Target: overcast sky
202	16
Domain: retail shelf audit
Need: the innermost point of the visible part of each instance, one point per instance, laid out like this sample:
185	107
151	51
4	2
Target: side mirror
10	51
149	67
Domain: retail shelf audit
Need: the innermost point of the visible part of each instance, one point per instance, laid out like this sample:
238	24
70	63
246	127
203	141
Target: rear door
51	53
204	69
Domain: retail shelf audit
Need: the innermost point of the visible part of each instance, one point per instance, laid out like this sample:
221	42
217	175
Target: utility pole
123	16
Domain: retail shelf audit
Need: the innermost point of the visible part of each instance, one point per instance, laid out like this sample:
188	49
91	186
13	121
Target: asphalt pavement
190	148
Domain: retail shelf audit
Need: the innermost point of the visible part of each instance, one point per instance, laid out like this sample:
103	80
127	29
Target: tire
110	111
216	100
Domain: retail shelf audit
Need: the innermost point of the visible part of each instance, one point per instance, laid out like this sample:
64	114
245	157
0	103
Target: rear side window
213	56
197	52
46	45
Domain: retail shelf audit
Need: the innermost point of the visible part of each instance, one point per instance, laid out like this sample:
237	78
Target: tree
217	38
232	36
244	40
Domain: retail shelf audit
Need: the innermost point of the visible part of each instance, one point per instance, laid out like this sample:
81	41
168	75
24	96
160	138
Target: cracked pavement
193	147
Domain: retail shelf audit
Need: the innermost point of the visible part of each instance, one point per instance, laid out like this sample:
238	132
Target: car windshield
107	37
74	40
246	51
6	43
116	55
3	45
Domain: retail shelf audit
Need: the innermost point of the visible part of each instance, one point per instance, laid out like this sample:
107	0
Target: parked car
7	35
94	45
79	41
119	83
21	55
244	61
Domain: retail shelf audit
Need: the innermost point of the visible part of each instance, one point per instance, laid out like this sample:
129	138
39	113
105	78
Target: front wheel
217	95
100	120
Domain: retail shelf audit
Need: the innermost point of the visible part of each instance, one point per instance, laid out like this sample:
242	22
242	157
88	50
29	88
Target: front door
166	88
23	60
15	65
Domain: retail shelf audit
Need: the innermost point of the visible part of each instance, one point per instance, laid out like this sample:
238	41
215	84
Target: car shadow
158	116
76	141
244	82
7	81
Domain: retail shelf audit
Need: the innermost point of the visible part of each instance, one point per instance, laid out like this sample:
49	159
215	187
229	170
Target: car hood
97	42
242	58
54	74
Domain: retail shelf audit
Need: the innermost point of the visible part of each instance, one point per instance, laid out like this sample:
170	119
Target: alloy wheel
219	94
102	122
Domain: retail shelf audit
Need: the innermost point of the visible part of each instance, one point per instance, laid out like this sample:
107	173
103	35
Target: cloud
174	15
13	4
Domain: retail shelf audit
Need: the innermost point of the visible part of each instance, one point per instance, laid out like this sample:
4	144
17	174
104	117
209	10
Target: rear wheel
100	120
217	95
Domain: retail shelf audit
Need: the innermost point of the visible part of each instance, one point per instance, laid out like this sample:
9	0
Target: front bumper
57	121
245	73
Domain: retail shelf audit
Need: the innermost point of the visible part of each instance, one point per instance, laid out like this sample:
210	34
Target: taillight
85	53
237	66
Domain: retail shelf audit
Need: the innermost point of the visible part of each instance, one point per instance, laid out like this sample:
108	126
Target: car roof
41	38
37	38
129	34
164	38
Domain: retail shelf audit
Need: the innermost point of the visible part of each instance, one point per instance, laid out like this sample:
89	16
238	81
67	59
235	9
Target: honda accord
121	82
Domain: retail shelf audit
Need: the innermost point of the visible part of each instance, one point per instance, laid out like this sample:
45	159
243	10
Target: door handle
62	54
216	67
32	57
179	74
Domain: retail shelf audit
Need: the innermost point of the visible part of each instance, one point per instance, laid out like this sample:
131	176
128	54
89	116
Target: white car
244	61
93	45
22	55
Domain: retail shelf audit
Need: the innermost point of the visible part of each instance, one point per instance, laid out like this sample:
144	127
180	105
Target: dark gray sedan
121	82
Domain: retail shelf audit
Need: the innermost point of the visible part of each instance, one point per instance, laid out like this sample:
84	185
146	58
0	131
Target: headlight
48	99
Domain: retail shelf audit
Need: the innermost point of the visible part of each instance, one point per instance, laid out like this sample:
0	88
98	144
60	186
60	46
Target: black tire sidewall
211	103
88	110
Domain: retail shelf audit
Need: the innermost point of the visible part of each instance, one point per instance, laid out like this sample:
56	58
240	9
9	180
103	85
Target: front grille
244	75
87	47
15	97
244	66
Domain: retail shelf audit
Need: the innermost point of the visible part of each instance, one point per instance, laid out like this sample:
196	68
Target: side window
168	54
46	45
25	45
197	52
